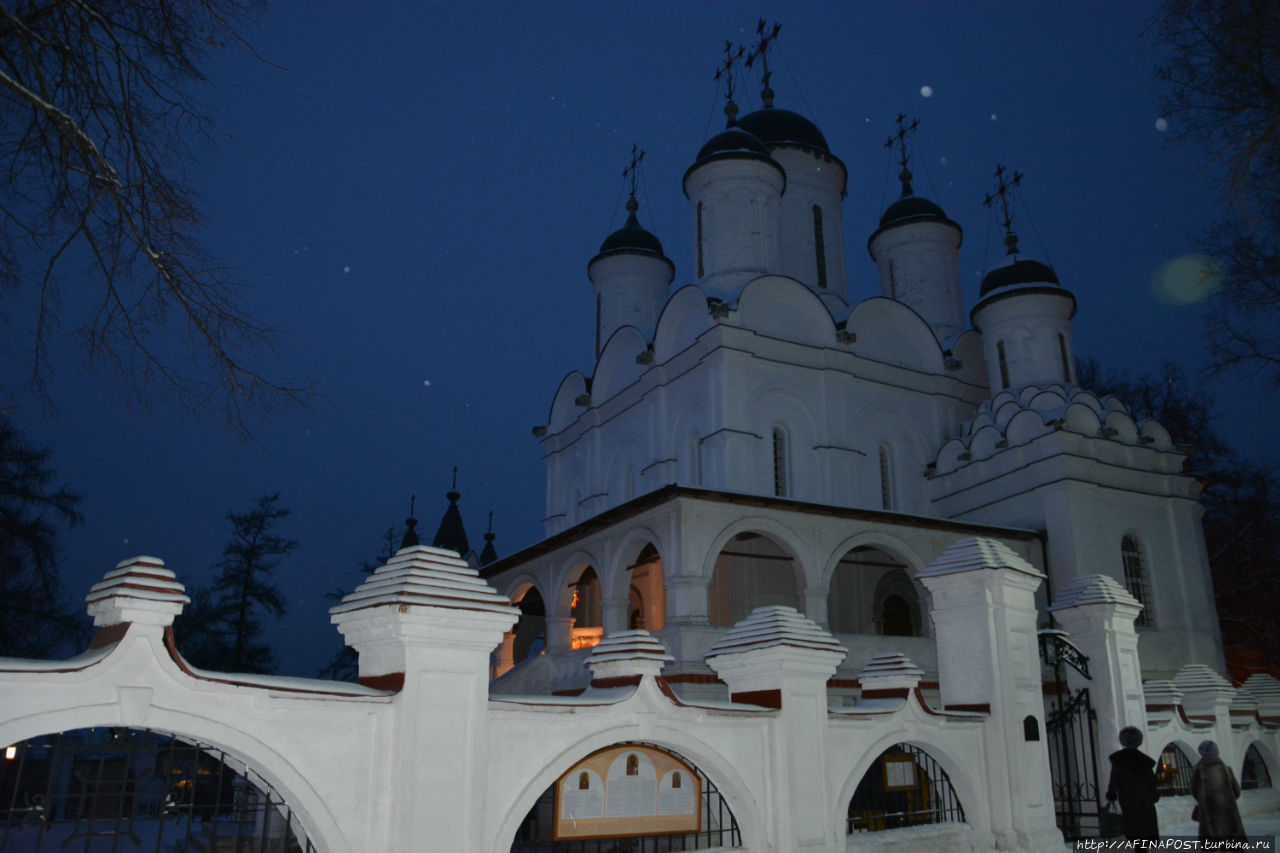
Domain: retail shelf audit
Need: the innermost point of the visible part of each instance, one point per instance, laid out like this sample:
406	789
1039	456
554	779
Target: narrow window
1066	362
597	325
700	271
819	246
886	478
779	462
1004	365
1135	579
695	461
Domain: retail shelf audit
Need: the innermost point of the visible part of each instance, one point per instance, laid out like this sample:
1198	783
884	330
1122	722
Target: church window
597	324
695	460
1066	362
819	246
1004	364
700	270
633	765
779	462
1136	580
886	477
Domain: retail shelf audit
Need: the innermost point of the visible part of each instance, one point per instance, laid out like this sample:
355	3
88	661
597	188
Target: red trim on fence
763	698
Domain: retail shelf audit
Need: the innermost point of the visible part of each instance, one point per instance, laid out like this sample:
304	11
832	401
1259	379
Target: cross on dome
726	71
1004	193
900	139
761	52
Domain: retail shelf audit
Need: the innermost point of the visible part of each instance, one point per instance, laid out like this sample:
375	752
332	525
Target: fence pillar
1097	613
984	615
779	659
424	625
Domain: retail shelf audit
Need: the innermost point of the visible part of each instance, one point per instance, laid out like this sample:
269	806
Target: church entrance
136	789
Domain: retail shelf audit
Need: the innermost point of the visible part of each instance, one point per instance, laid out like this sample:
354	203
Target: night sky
413	197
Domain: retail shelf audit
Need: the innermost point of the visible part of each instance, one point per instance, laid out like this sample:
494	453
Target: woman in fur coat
1133	781
1216	790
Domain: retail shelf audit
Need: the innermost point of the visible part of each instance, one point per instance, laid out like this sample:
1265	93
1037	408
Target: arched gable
617	366
625	553
683	319
689	425
781	536
780	307
559	596
564	406
881	540
888	331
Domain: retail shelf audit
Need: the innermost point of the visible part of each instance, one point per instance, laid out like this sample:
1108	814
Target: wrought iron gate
1071	734
118	789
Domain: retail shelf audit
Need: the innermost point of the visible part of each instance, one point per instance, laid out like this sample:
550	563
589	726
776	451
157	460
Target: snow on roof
890	664
426	576
629	645
978	552
1093	589
1197	676
773	626
143	578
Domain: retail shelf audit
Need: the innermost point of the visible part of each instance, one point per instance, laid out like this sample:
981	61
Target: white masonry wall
424	759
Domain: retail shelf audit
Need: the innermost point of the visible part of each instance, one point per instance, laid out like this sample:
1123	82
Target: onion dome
734	141
1020	272
631	237
774	126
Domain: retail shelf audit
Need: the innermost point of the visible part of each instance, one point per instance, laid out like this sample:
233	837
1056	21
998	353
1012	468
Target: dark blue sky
415	198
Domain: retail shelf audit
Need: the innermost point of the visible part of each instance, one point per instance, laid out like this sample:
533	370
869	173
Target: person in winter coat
1216	790
1133	780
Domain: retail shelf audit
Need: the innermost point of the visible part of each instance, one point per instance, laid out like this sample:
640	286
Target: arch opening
531	629
1254	773
871	592
646	607
139	789
751	571
585	607
629	796
905	786
1173	773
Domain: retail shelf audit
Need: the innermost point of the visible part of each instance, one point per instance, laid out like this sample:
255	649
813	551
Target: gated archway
905	786
138	789
630	796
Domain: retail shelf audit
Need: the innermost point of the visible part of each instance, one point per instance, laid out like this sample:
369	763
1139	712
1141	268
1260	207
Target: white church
818	576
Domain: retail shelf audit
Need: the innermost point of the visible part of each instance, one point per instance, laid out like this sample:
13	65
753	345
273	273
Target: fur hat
1130	737
1208	749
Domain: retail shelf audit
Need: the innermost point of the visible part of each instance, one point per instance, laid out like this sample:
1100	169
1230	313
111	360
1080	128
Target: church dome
1019	272
773	126
732	141
911	207
631	236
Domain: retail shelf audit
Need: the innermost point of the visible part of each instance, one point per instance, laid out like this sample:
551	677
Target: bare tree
1221	85
97	117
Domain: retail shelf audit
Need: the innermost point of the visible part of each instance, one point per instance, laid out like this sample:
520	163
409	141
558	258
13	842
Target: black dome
773	126
732	140
911	207
1018	272
631	236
